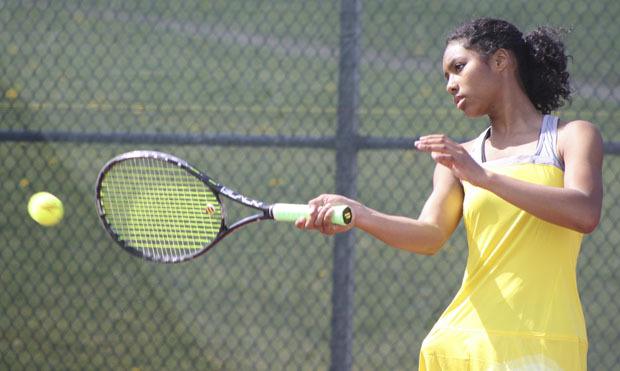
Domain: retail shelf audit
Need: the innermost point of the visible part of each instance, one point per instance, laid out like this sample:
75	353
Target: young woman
528	188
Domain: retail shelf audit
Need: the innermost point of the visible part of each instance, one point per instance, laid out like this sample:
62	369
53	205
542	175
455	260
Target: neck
514	114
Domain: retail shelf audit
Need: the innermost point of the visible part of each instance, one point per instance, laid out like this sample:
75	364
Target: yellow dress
518	307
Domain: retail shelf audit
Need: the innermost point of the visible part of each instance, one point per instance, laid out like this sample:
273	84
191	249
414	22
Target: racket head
158	207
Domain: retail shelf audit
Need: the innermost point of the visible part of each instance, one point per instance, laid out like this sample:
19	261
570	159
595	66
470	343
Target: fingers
310	221
444	159
300	223
326	226
442	149
435	143
452	155
323	220
320	216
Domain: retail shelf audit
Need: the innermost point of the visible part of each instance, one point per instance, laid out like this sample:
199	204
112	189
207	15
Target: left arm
576	206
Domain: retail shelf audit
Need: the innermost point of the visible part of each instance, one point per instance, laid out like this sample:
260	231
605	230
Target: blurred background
280	100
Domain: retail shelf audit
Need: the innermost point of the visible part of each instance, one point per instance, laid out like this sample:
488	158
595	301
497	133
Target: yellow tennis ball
45	208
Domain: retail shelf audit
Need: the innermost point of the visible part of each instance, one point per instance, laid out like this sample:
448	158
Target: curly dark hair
541	58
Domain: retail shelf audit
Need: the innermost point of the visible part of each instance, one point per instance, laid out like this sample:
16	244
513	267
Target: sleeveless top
518	307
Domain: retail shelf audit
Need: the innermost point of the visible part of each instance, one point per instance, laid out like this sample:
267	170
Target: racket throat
245	221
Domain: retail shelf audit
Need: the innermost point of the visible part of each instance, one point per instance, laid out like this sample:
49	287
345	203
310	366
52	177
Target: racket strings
159	208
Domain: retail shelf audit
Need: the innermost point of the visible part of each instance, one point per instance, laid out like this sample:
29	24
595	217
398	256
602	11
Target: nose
451	86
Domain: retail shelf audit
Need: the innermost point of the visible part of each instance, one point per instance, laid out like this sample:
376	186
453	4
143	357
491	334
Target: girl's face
470	79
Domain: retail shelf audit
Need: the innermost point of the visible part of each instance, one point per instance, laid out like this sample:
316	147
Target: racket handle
342	214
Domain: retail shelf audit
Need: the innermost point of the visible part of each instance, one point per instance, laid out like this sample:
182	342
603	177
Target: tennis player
528	189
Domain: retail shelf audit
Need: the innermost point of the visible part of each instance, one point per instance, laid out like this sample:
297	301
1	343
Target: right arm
424	235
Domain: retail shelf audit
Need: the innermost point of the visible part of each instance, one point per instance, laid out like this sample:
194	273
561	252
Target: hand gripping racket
160	208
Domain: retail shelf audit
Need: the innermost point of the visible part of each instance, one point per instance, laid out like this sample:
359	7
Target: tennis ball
45	208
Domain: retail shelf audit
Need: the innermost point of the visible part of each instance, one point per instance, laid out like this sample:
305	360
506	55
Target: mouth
458	99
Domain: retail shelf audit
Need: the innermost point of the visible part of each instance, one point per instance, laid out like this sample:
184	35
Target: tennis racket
160	208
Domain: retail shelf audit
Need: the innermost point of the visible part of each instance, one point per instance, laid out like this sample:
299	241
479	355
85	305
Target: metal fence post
341	343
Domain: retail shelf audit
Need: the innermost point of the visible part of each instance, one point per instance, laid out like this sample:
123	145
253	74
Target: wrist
361	216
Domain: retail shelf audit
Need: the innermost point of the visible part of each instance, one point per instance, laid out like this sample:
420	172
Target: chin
473	112
475	115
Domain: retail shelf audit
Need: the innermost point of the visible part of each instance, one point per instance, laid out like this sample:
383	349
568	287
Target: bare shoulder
579	134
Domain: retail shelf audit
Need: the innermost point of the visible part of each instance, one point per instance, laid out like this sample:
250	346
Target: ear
501	59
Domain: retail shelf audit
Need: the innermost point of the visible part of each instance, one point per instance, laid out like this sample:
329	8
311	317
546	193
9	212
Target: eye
455	68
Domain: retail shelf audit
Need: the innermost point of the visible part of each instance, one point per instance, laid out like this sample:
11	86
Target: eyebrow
451	63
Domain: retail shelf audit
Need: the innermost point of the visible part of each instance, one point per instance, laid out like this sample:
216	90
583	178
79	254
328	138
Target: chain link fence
263	96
